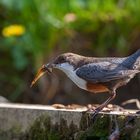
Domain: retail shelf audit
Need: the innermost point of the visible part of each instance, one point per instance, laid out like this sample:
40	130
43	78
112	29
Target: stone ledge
38	122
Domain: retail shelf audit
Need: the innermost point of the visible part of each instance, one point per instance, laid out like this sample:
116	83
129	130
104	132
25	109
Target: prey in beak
41	72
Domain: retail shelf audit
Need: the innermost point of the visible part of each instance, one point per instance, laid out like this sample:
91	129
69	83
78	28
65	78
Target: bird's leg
98	109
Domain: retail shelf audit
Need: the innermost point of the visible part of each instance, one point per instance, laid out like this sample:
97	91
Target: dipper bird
95	74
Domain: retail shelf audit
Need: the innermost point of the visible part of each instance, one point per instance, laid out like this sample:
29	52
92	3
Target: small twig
132	101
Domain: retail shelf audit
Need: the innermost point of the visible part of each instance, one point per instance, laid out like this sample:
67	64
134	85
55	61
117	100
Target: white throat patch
71	73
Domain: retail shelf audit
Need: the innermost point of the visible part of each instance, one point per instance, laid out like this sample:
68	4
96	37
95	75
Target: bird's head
65	58
69	58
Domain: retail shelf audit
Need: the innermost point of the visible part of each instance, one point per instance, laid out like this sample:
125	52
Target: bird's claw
93	114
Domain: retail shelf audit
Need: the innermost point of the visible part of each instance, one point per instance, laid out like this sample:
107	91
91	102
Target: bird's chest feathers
71	73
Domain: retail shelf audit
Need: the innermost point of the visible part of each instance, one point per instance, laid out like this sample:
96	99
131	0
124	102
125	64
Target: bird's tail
133	61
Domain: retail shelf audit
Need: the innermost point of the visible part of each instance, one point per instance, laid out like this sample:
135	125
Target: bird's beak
41	72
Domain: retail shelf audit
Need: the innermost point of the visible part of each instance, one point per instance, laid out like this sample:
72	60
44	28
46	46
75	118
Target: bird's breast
71	73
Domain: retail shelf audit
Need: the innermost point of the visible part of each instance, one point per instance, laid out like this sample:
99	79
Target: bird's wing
103	72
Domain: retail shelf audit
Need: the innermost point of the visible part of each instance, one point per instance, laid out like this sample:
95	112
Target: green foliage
51	24
44	129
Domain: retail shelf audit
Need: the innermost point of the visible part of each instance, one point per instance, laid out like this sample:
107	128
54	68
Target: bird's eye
59	60
62	59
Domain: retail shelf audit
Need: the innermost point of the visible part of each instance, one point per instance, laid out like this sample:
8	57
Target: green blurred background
32	32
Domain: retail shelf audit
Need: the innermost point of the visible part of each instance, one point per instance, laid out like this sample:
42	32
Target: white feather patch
71	73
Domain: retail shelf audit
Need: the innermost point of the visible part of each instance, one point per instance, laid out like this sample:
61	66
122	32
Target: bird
95	74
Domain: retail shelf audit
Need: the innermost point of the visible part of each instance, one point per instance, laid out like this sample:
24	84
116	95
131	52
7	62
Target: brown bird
95	74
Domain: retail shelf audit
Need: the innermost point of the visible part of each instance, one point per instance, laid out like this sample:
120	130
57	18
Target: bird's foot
90	115
93	113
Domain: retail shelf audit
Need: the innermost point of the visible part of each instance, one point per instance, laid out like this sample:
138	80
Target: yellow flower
13	30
